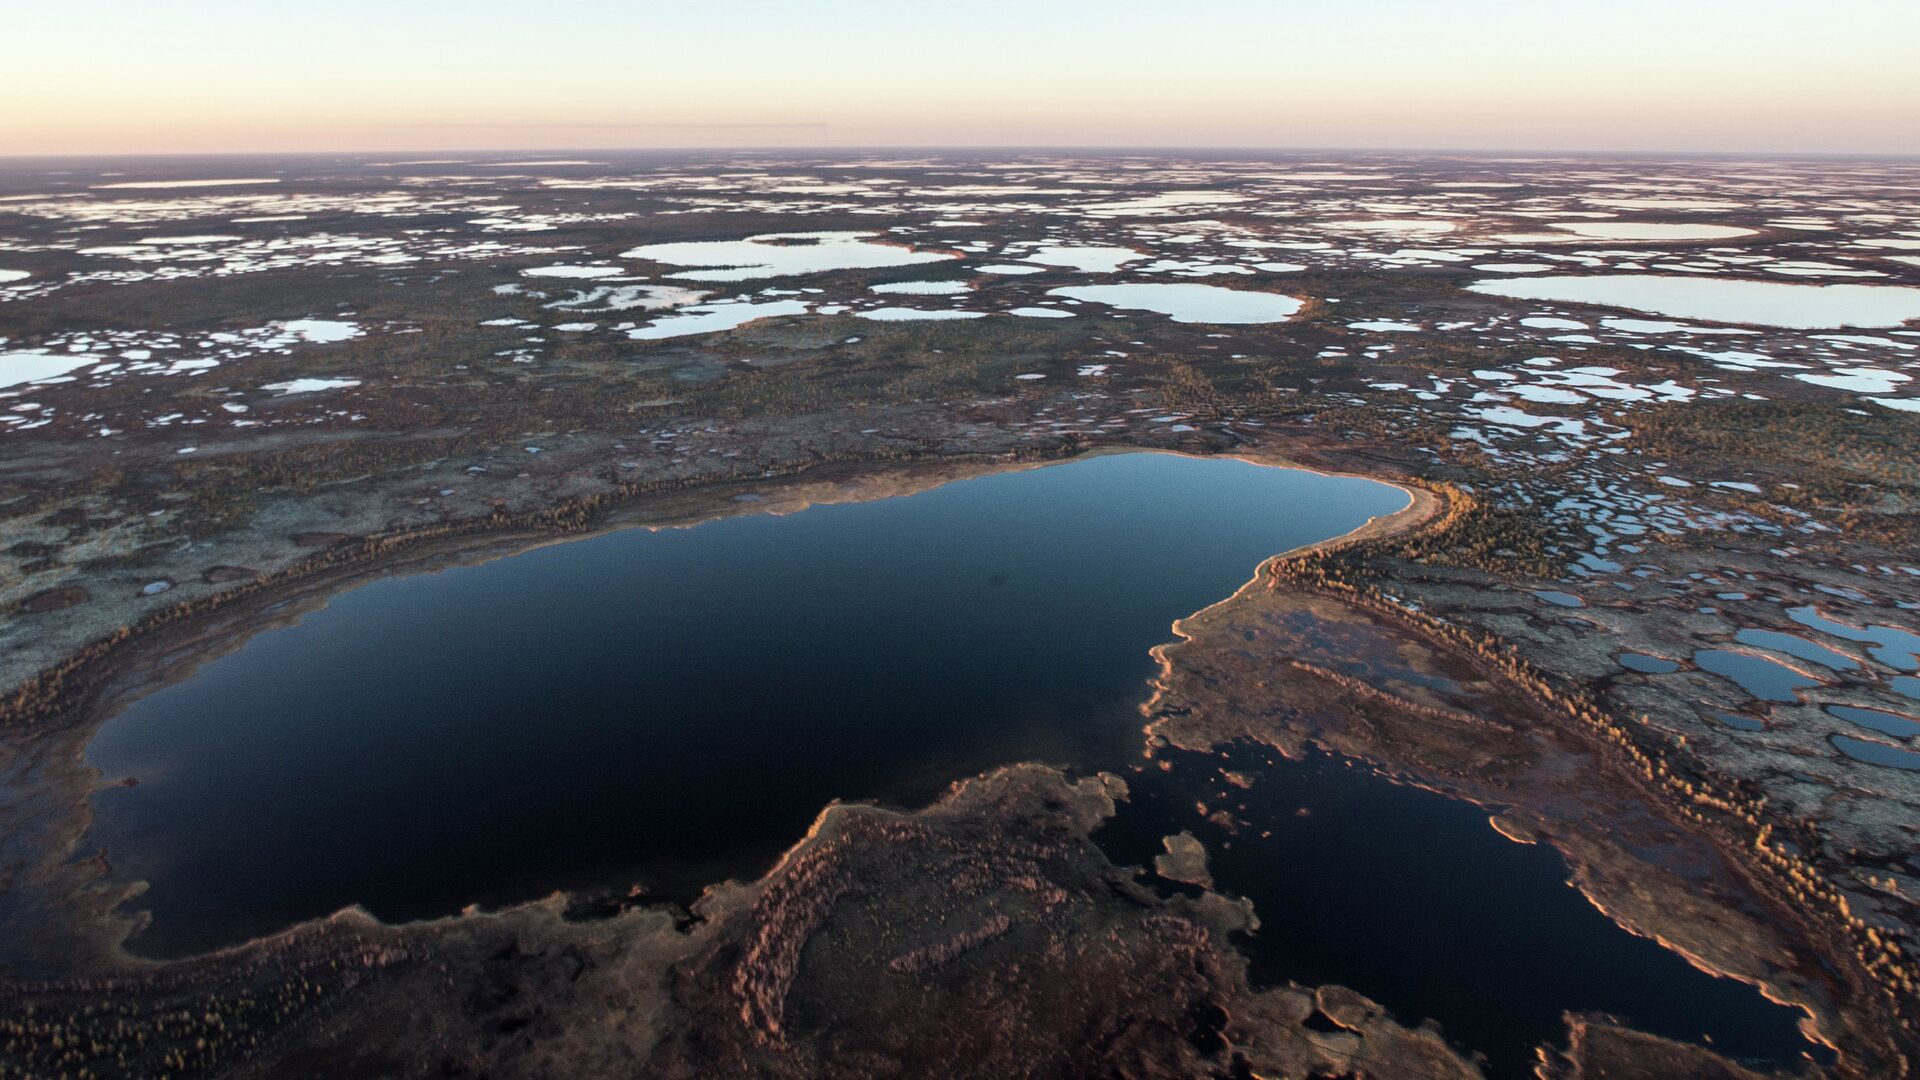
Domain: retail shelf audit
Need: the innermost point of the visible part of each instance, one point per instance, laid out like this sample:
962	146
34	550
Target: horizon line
932	148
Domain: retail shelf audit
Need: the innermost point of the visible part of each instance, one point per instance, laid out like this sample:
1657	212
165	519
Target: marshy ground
1656	612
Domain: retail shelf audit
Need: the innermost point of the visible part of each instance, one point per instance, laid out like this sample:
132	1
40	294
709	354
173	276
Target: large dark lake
667	709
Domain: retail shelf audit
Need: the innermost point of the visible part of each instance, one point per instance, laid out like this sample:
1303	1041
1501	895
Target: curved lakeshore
665	708
1423	507
727	614
1202	701
74	698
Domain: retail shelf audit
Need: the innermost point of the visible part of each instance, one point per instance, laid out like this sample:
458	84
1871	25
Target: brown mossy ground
985	936
1303	656
531	994
1600	1050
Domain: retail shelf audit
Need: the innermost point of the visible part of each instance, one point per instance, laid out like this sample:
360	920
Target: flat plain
1638	599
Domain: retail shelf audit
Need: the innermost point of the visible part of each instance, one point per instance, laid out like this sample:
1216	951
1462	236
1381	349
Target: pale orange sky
115	76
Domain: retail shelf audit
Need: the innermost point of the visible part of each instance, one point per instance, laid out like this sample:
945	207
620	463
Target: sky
199	76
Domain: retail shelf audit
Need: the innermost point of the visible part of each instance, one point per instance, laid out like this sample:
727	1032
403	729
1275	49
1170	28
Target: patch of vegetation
1473	533
1208	388
1857	470
896	363
197	1021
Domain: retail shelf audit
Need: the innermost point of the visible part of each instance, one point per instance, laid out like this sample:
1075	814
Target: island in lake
700	614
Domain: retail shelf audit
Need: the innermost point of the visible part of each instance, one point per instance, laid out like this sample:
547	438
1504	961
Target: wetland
697	608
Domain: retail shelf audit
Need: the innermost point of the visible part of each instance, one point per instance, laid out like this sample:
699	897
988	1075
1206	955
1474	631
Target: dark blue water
1795	645
1876	753
669	709
1650	665
1765	679
1886	723
1440	917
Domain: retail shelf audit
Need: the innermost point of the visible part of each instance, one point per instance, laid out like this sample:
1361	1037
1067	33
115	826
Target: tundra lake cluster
756	614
